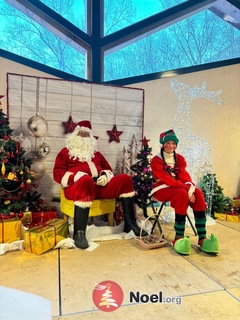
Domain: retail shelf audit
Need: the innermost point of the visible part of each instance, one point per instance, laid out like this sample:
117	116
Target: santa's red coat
79	179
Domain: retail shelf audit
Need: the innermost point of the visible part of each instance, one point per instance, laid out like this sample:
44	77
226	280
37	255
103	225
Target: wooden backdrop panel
55	100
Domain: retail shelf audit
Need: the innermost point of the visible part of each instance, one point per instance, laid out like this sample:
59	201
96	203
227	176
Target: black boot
129	217
80	225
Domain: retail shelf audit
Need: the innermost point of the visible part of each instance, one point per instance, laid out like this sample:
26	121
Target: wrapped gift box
44	237
42	217
227	217
10	230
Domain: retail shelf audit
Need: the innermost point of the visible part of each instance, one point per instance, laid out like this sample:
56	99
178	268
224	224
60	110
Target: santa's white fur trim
127	195
79	175
64	181
85	129
93	169
108	173
83	204
162	186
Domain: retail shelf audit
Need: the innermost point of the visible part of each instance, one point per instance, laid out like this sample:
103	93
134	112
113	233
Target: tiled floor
208	286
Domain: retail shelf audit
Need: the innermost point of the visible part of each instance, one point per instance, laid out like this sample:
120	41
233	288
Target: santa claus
85	175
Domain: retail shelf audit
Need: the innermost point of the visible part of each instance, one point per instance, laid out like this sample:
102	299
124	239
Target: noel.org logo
107	296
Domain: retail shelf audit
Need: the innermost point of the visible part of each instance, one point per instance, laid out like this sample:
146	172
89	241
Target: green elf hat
168	136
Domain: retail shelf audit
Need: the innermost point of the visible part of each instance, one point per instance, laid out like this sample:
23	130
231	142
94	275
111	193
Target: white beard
81	148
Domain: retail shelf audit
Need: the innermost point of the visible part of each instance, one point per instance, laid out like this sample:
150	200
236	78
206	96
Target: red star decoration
114	134
69	125
144	142
0	99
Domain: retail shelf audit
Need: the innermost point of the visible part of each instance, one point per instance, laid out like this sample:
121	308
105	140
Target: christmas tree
216	201
16	193
142	177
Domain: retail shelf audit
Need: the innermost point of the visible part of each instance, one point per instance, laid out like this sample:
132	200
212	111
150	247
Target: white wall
217	124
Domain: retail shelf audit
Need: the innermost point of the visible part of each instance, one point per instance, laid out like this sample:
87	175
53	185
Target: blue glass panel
200	39
119	14
32	41
72	10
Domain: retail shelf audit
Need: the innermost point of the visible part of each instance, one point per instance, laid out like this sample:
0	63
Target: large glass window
198	39
25	37
119	14
72	10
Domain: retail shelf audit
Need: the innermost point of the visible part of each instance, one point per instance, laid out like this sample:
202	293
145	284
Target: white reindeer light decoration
195	149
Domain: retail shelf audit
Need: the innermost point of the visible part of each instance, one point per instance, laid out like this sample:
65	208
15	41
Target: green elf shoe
182	245
209	245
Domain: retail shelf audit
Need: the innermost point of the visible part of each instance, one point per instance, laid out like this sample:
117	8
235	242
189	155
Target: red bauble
40	201
12	214
20	215
22	185
5	137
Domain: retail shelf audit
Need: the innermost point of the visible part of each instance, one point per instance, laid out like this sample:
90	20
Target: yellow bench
98	207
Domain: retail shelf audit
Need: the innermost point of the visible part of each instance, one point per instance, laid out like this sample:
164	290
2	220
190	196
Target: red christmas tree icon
108	296
107	299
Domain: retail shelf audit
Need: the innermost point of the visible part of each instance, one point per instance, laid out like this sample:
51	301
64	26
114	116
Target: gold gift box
43	238
10	230
227	217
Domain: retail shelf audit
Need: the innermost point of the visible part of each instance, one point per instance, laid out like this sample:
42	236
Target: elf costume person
174	184
85	175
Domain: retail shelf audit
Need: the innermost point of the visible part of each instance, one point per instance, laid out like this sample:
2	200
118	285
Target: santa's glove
102	180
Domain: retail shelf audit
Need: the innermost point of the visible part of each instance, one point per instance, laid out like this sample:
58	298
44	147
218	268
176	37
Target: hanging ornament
69	125
11	176
114	134
43	150
37	126
20	215
38	168
3	169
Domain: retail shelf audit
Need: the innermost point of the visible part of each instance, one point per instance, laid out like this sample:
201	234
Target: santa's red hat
84	125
